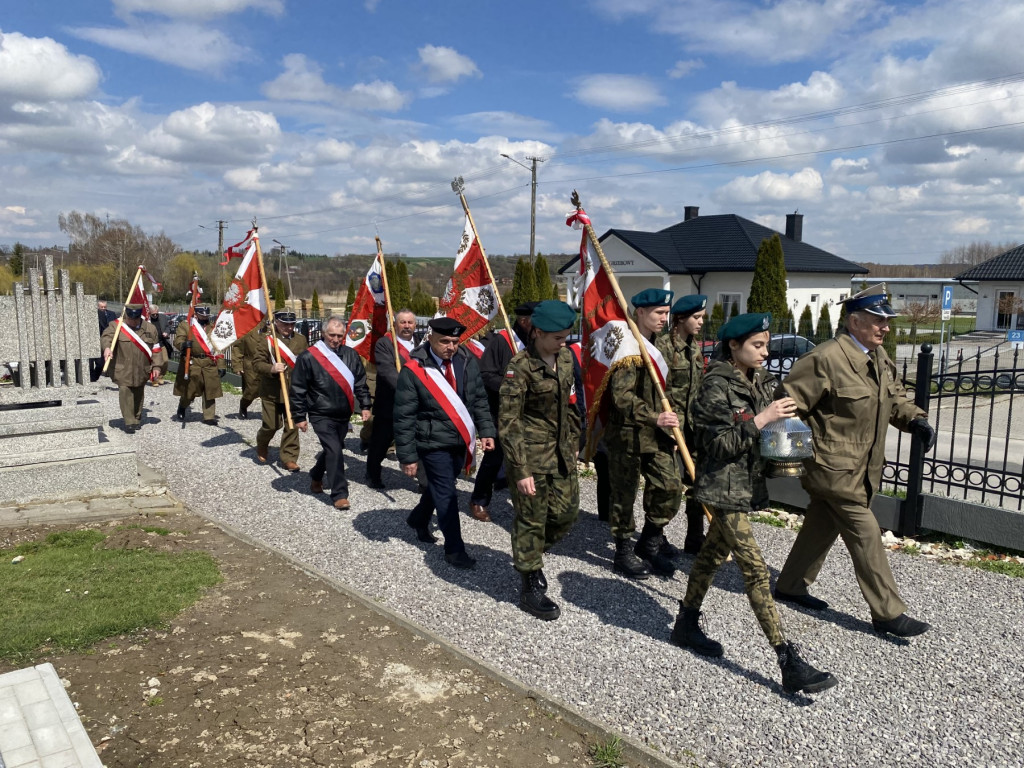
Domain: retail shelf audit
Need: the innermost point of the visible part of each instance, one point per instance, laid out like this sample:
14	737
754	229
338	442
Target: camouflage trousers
731	532
542	520
663	488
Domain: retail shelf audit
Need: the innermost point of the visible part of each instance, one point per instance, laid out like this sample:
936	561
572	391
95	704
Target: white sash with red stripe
137	340
404	348
287	356
199	336
337	370
660	366
450	402
474	346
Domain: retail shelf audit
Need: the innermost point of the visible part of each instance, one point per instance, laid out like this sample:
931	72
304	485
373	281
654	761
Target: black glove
222	372
925	431
184	348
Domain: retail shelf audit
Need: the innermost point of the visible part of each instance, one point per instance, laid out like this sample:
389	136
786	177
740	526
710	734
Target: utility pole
283	256
532	168
220	253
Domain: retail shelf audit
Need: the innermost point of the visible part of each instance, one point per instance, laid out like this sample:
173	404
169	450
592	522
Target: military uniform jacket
730	470
634	411
539	420
262	360
129	366
245	349
849	406
421	425
685	362
204	378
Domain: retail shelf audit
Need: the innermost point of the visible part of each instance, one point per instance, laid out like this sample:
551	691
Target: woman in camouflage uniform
733	405
539	423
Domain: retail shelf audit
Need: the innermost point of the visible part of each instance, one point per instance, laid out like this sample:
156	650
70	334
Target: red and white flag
141	296
245	301
469	298
607	342
369	320
475	346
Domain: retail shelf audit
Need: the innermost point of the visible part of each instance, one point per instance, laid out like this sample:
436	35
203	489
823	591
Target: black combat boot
533	600
797	675
180	414
627	563
687	633
694	527
667	549
647	550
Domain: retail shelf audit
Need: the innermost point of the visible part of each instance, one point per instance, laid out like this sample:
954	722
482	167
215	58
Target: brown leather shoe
261	454
315	486
479	513
342	504
291	466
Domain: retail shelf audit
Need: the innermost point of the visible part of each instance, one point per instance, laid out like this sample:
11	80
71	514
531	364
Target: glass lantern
784	445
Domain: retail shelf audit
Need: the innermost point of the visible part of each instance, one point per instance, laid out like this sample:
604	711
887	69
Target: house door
1007	309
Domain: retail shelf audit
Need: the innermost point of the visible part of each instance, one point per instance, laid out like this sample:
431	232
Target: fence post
910	510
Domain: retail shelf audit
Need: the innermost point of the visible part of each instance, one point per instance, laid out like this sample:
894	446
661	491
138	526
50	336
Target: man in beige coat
137	357
847	390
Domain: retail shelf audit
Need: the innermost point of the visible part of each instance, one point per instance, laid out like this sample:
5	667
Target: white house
1000	291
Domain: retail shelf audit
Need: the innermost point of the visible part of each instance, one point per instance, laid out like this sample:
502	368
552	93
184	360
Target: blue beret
652	297
553	316
202	309
744	325
284	316
687	305
874	300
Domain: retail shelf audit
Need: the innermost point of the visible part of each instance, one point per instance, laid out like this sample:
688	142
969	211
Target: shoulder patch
510	373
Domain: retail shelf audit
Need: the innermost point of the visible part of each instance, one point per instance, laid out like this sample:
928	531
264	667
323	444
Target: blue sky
893	127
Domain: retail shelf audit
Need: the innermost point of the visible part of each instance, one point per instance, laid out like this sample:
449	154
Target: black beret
744	325
445	326
526	308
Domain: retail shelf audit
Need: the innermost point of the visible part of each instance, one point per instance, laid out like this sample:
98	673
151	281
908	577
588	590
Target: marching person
327	384
639	441
264	364
848	391
243	357
137	358
440	410
493	364
685	361
540	423
165	342
206	368
732	406
383	433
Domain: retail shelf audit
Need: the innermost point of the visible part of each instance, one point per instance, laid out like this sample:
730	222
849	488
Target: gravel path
949	698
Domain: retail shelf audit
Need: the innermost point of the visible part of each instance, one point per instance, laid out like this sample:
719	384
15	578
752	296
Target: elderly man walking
136	358
848	391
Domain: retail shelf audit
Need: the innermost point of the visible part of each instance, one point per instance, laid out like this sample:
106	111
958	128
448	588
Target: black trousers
486	474
380	440
441	469
330	464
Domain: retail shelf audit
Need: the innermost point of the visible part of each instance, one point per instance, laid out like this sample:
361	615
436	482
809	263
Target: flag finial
576	199
458	185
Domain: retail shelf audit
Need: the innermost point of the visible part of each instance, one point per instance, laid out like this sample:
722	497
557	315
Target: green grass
69	593
147	528
1005	567
768	520
607	754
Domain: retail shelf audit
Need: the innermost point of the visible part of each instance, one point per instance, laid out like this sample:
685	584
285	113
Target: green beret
553	316
687	305
652	297
744	325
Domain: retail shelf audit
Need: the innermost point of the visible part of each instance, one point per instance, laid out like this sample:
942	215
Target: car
310	328
783	351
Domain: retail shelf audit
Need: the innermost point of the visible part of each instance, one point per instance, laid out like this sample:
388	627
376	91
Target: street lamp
532	168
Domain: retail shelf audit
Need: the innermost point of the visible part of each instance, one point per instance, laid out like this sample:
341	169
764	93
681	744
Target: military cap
687	305
874	300
526	308
744	325
445	326
134	311
652	297
284	316
553	316
202	309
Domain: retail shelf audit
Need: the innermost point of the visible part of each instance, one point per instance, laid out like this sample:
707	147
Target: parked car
783	350
310	328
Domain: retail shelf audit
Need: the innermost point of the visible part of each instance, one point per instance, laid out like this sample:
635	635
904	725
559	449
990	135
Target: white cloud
803	185
302	80
40	69
620	93
446	65
208	134
331	151
505	124
18	209
179	44
683	68
199	9
971	225
267	177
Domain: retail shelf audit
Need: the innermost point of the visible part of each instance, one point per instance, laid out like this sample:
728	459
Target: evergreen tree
398	284
314	305
824	331
734	311
546	289
768	287
806	327
421	302
350	297
524	287
279	296
842	316
716	321
17	262
889	345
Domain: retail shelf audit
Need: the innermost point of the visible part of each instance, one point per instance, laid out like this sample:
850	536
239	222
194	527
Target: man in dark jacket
440	410
493	364
384	401
327	383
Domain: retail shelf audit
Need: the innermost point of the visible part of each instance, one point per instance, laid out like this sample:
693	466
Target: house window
814	298
727	300
842	297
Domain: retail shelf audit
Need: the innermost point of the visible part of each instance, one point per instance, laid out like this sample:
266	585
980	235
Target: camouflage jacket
539	421
633	416
730	471
685	362
263	359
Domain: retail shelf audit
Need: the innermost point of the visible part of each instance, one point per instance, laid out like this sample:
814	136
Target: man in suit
440	410
384	402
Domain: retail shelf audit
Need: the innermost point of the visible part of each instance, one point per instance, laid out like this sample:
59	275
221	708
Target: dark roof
726	243
1005	266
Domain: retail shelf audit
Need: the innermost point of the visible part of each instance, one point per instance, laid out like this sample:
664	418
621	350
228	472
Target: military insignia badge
510	374
485	304
376	283
612	342
766	322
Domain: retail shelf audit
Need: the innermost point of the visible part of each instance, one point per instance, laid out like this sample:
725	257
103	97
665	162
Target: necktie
449	373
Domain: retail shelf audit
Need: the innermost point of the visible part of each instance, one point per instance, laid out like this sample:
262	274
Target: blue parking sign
947	297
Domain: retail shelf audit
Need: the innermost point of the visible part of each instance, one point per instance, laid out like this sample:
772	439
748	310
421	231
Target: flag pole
124	307
457	186
273	330
193	297
387	298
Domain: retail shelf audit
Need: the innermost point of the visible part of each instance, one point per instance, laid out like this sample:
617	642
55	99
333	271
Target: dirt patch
275	668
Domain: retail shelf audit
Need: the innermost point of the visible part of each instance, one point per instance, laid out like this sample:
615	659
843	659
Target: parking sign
947	301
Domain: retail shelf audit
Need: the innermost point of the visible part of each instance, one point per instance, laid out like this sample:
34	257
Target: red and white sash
137	340
287	356
474	346
403	351
199	336
438	386
517	345
336	369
